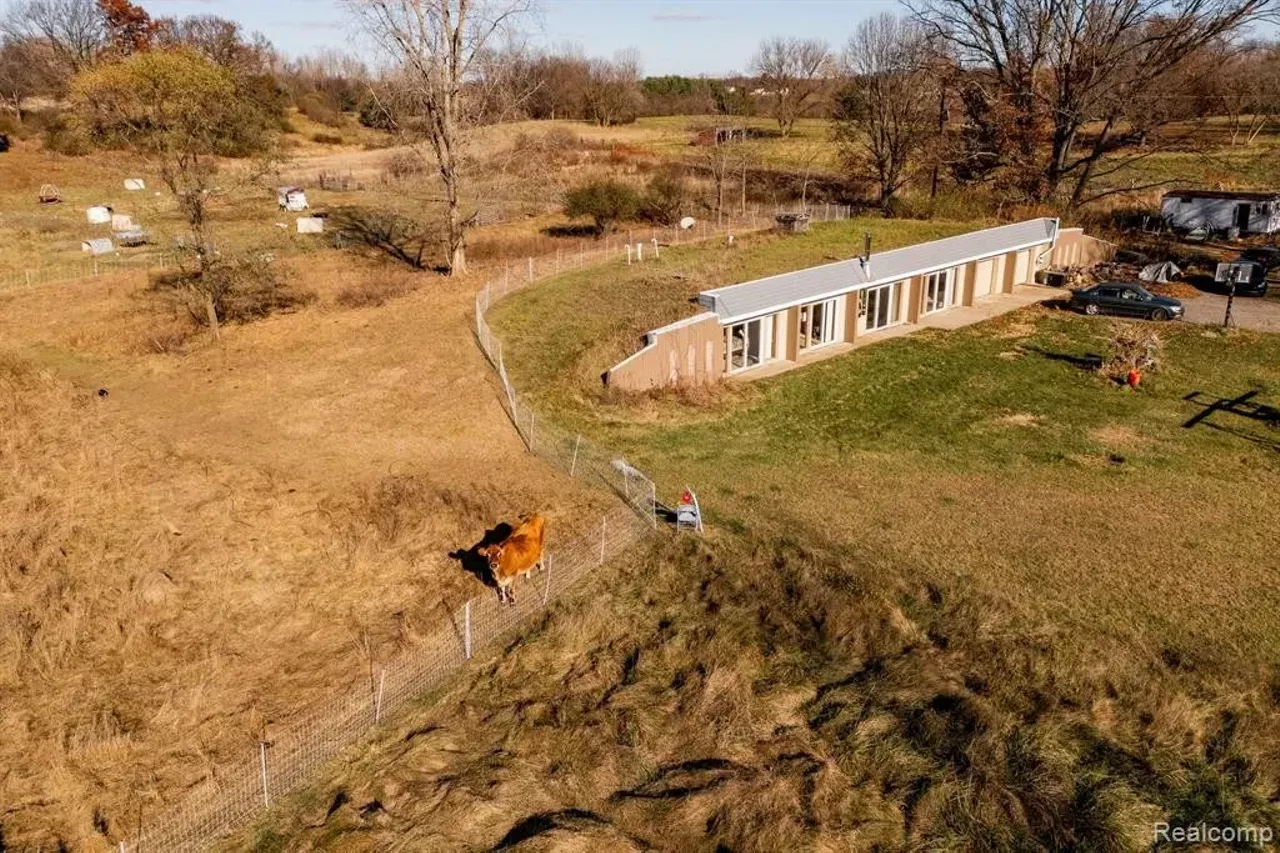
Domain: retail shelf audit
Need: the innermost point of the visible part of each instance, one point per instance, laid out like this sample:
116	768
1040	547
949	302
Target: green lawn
984	458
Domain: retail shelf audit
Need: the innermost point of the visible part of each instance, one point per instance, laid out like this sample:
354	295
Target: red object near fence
1134	379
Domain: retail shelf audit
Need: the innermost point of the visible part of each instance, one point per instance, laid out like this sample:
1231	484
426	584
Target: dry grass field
234	532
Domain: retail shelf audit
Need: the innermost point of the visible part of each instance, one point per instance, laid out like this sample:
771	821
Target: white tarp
1161	273
97	246
99	214
134	184
310	225
121	222
687	223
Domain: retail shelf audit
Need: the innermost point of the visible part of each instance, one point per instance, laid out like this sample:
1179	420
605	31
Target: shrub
605	202
242	290
404	164
63	137
666	198
4	143
327	138
320	109
374	114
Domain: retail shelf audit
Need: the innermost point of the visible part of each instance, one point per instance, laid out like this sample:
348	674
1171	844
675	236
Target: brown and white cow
516	555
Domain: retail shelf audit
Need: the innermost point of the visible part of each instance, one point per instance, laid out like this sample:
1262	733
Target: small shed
97	246
291	198
310	225
133	184
1222	210
132	237
791	223
50	194
99	214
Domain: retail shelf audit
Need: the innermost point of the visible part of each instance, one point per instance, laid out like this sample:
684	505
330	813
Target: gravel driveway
1249	312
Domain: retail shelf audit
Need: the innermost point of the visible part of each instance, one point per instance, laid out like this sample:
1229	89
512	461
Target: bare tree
73	29
1063	64
793	73
612	92
1247	84
436	47
887	111
24	72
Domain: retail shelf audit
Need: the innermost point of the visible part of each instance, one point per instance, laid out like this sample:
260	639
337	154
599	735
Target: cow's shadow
475	563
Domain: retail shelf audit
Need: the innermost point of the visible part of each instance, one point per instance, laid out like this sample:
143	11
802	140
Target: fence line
289	758
88	268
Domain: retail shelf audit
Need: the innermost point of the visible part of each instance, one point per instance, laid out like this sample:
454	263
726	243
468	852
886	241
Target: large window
939	291
817	324
750	343
878	306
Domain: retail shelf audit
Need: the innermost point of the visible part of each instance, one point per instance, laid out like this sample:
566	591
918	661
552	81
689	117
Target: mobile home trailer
1222	210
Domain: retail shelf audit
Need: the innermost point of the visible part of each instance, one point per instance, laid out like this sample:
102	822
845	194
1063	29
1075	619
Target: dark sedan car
1125	299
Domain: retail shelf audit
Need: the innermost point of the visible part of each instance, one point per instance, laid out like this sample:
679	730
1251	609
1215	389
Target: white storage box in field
135	184
121	222
99	214
310	225
97	246
291	198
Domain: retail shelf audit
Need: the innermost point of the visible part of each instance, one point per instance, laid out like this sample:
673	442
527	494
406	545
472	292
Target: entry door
1242	217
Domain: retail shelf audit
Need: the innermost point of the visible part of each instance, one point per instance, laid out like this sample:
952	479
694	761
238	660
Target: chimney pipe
866	247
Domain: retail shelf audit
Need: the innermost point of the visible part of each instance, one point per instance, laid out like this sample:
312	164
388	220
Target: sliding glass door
879	306
817	324
750	343
939	291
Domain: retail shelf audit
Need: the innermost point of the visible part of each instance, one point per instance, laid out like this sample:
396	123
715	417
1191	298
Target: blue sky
673	36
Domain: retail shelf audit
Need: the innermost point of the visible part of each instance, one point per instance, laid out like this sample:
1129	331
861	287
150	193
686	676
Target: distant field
978	456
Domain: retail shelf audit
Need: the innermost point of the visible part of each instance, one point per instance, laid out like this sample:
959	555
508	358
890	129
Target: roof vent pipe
866	254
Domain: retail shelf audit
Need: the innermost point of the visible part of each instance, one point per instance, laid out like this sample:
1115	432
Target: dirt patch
1117	435
1019	419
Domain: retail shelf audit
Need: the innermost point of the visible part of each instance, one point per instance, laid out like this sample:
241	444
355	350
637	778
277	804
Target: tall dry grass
773	695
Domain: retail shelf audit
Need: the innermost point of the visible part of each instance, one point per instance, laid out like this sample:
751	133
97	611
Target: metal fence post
653	502
546	591
262	761
602	531
531	431
530	269
377	705
573	466
466	637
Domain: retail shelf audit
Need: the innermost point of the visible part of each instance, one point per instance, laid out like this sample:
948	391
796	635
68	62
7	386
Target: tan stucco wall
967	276
1077	249
691	353
851	316
792	322
914	288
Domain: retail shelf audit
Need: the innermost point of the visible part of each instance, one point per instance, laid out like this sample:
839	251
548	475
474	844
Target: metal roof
766	295
1241	195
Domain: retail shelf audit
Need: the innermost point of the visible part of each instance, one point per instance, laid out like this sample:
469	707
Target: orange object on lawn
1135	378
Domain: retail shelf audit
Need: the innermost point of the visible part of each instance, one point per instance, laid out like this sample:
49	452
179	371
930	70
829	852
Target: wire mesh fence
290	757
288	760
88	268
